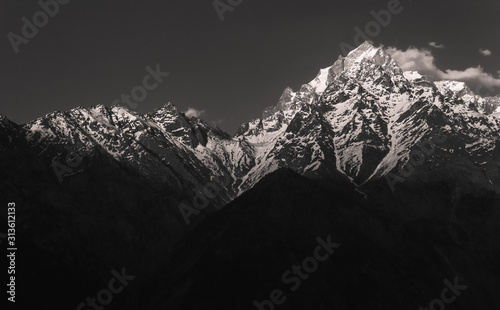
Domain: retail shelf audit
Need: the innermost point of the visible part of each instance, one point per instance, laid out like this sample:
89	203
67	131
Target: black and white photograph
250	155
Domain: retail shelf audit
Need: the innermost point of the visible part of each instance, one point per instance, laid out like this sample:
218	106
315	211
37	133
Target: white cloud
485	52
414	59
436	45
473	75
422	61
191	112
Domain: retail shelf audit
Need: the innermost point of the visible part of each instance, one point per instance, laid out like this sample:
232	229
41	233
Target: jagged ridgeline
100	188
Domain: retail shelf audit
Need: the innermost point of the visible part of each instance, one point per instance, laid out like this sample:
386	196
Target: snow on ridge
412	75
454	86
251	155
320	83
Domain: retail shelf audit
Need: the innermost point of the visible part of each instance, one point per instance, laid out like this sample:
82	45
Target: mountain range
103	187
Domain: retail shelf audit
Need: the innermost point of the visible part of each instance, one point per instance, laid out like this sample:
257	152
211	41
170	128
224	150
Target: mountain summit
359	119
390	161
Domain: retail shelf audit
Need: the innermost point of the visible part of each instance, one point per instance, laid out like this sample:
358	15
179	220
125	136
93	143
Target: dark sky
92	51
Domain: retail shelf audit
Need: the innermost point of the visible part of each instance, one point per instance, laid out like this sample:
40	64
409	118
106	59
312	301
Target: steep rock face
375	116
164	147
117	202
360	118
462	94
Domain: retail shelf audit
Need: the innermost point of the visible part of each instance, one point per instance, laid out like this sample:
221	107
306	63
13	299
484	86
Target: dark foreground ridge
391	254
239	255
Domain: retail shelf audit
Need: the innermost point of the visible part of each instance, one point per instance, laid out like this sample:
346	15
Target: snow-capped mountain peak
359	119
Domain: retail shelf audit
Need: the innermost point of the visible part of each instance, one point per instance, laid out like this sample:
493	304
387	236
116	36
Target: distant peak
365	46
171	108
99	108
366	51
167	108
114	105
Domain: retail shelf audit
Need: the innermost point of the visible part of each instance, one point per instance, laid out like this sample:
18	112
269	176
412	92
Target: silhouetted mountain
384	261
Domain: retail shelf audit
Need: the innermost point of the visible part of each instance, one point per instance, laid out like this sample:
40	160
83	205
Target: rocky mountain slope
103	187
359	119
